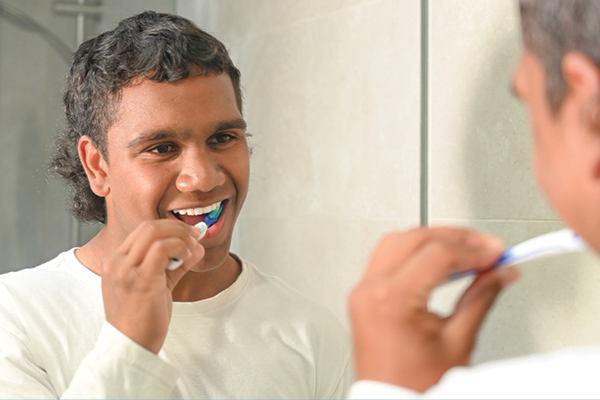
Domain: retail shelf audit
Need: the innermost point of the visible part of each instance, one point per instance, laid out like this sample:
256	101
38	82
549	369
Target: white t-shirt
566	374
259	338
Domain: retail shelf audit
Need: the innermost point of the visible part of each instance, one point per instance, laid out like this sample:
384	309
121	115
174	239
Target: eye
221	138
163	148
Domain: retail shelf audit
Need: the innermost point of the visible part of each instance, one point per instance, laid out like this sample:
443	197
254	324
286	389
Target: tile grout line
424	150
507	220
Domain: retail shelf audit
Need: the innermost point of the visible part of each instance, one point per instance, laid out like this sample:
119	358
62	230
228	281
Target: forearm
119	368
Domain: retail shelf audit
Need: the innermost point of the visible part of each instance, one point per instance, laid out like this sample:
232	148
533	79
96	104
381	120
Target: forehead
192	103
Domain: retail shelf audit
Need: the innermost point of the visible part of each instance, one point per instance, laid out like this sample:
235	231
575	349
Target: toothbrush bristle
213	216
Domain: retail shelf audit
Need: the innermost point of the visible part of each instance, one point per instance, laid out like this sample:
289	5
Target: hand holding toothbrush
137	285
396	339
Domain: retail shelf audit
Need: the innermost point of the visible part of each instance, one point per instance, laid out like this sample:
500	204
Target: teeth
199	210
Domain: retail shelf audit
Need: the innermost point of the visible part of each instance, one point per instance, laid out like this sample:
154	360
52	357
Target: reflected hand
136	284
396	339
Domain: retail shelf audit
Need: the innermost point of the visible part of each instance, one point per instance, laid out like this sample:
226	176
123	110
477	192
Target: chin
212	260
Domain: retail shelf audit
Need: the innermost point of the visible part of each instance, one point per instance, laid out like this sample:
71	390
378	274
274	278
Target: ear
94	165
582	76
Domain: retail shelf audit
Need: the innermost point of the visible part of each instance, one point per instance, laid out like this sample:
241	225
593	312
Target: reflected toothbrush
559	242
209	219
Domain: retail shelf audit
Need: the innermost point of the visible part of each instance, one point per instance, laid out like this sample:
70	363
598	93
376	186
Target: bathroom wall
332	97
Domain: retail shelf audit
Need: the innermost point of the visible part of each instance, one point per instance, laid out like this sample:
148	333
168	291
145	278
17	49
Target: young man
404	351
156	140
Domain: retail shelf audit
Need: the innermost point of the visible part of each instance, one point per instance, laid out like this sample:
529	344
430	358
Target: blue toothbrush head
213	216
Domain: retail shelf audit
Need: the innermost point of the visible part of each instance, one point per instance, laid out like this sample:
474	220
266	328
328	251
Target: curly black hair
160	47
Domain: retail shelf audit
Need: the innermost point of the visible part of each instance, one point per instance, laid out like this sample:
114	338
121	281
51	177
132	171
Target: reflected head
159	47
552	28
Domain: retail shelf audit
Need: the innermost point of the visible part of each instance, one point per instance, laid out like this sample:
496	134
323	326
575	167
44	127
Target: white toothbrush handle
562	241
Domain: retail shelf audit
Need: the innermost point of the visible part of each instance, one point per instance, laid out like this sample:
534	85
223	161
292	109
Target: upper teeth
199	210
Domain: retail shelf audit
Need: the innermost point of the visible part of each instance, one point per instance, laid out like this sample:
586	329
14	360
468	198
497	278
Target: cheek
539	163
538	157
556	183
242	175
544	157
541	172
139	188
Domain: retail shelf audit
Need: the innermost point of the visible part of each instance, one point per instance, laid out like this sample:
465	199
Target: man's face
174	150
560	144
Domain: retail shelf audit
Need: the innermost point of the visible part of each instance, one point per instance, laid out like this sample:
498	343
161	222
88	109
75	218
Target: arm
115	368
137	301
137	294
396	339
20	377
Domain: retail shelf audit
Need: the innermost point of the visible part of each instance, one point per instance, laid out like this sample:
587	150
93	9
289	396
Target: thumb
174	276
474	305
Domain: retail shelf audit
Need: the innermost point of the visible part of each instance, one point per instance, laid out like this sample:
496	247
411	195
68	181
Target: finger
173	277
431	264
473	306
149	226
138	243
161	252
395	248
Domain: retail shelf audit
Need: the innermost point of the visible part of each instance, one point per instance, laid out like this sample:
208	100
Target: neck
93	252
200	285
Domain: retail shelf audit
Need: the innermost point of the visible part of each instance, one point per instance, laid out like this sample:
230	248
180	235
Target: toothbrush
209	219
558	242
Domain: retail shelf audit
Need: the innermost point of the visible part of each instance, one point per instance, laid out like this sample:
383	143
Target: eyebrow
151	136
238	123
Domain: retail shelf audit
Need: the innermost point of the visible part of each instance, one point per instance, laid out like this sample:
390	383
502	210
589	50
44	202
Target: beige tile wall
332	94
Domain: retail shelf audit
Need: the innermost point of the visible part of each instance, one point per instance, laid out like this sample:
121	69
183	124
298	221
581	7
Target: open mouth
192	216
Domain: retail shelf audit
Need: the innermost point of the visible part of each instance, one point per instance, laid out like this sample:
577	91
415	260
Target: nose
516	83
199	171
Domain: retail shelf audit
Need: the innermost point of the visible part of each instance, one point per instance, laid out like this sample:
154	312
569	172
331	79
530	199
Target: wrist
146	338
